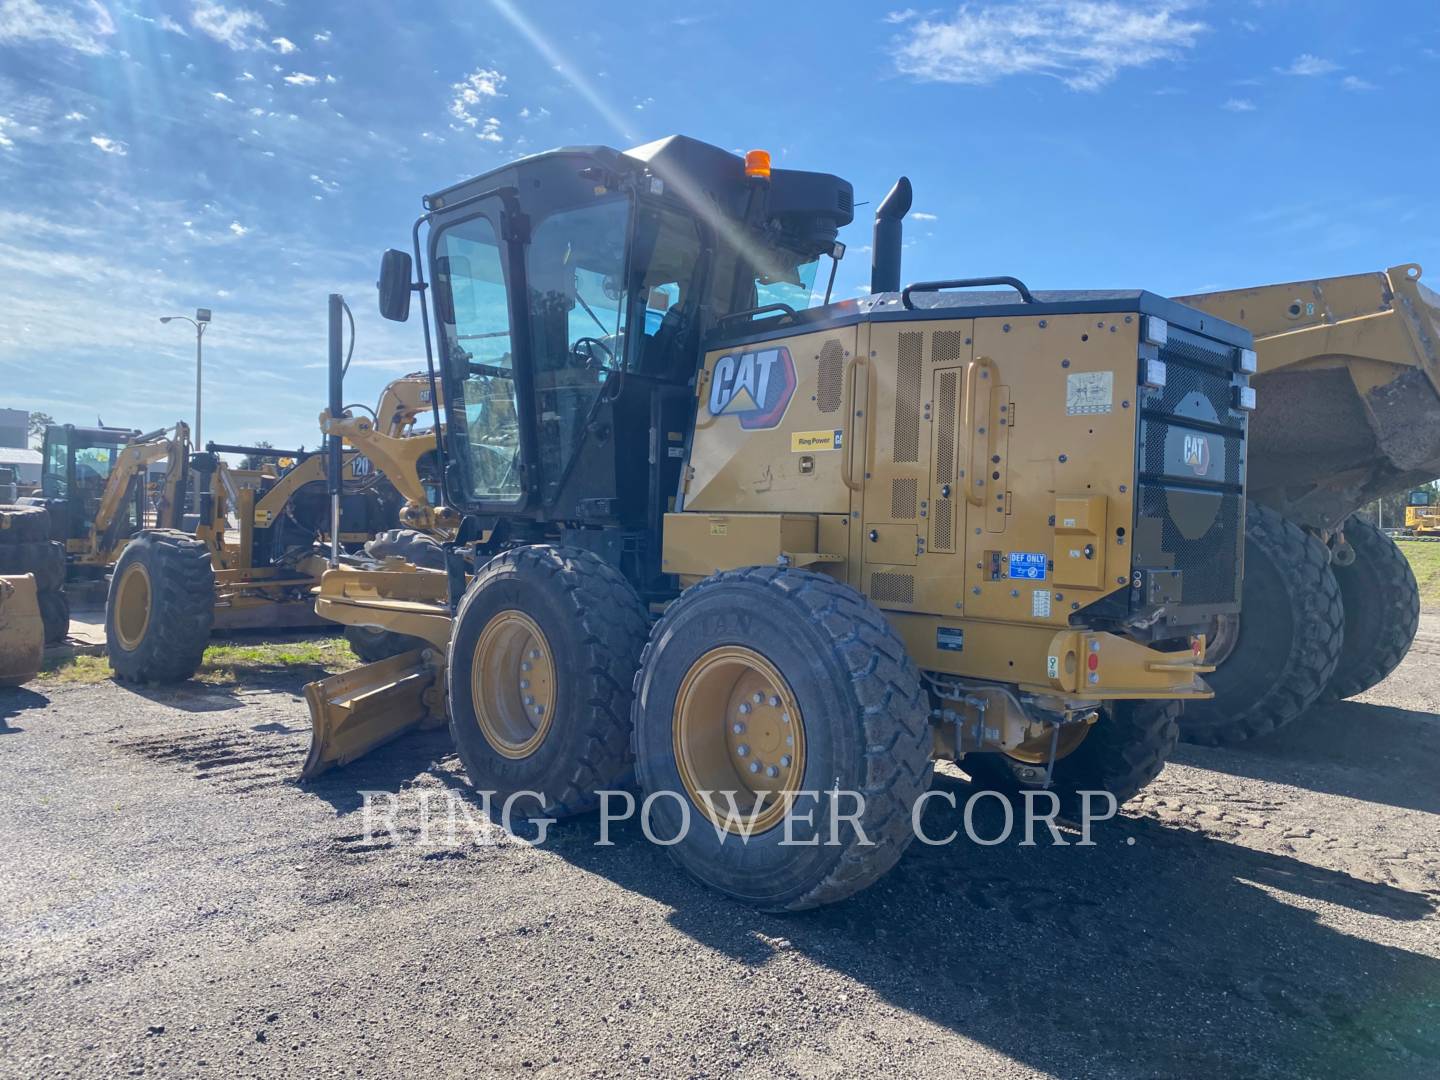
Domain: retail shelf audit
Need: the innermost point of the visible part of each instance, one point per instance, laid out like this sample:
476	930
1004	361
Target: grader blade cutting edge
354	712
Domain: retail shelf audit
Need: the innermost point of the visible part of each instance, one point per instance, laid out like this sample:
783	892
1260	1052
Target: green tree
39	421
254	461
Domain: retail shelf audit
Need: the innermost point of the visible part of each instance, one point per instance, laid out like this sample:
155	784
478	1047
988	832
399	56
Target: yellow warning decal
808	442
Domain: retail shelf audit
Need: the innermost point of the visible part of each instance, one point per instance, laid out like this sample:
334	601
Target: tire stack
26	548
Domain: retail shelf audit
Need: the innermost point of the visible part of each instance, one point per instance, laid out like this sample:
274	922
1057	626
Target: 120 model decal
754	386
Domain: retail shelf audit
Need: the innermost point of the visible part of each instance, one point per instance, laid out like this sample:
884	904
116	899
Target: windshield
794	286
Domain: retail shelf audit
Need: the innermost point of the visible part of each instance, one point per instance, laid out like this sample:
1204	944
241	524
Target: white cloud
245	76
299	78
328	186
220	95
1354	82
284	46
165	22
322	37
81	26
109	145
238	229
900	16
1083	43
331	80
920	215
1239	105
229	26
473	90
1306	64
76	115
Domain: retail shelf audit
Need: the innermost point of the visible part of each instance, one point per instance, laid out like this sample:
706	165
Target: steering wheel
592	353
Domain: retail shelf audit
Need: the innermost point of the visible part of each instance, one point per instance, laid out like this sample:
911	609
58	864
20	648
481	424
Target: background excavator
1349	411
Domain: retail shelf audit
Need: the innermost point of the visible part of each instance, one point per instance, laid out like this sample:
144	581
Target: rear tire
55	614
23	524
1288	642
161	608
1381	601
43	558
586	621
863	721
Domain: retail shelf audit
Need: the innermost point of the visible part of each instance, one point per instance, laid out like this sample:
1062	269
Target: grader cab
938	522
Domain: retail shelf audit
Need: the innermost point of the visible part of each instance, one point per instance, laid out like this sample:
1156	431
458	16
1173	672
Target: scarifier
759	545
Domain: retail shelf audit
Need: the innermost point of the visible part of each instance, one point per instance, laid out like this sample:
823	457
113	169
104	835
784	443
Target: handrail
965	283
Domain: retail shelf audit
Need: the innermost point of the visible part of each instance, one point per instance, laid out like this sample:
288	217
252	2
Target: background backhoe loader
1422	515
1349	411
982	526
171	587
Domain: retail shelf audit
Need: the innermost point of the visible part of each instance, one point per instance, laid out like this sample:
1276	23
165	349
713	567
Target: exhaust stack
889	232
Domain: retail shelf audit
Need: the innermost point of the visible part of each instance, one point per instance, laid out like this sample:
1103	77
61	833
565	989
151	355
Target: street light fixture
200	321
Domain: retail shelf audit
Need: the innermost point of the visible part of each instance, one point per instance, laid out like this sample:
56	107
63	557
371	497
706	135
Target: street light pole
200	322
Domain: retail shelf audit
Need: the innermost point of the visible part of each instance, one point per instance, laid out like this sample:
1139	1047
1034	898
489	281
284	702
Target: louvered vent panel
892	588
902	499
948	347
832	367
943	539
945	405
907	399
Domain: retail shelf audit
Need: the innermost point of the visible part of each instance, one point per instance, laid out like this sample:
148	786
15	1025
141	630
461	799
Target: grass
1424	556
231	663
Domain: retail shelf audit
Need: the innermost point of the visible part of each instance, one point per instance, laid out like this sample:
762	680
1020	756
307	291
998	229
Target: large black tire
23	524
593	625
371	644
865	726
55	614
417	548
1381	601
43	558
1124	751
414	547
1288	641
161	608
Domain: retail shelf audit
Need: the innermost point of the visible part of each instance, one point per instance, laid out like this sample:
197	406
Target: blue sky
254	156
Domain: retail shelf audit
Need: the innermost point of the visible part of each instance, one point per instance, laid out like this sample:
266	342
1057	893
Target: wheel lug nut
525	665
539	710
758	698
785	762
744	708
774	702
784	718
534	654
529	699
738	728
754	766
743	750
524	684
771	771
789	740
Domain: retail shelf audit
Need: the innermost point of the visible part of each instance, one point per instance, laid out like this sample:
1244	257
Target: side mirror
394	285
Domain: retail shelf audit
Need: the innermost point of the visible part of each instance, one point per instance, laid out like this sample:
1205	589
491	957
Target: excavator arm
171	445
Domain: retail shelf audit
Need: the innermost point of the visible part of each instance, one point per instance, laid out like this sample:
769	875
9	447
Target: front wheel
161	608
771	705
542	657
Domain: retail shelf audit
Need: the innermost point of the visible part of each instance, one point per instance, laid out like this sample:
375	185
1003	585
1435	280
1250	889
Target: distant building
14	428
26	463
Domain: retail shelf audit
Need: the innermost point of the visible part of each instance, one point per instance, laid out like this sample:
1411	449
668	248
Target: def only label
1028	565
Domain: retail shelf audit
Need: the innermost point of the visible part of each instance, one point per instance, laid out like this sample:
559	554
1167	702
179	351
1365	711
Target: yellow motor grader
1349	411
171	587
777	554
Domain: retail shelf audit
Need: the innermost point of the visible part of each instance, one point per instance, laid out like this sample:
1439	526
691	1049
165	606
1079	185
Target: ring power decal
755	386
808	442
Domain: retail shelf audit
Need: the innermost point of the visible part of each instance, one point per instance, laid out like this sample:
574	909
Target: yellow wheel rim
737	727
512	683
132	606
1037	751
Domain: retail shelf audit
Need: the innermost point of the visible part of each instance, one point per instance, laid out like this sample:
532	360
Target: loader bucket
1348	389
22	633
354	712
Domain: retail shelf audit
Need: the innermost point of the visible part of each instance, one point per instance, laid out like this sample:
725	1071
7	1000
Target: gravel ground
174	904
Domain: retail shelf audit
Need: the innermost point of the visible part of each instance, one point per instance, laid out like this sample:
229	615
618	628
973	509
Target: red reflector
1094	661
